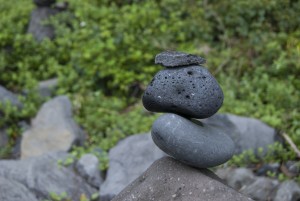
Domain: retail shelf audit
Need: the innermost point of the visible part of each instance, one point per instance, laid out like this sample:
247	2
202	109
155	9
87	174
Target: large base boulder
168	179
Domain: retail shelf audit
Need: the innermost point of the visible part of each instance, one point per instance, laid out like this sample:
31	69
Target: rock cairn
186	91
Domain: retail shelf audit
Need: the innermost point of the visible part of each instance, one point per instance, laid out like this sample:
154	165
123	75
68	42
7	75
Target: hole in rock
188	96
190	72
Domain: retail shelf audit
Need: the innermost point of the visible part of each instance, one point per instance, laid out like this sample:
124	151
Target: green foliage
103	57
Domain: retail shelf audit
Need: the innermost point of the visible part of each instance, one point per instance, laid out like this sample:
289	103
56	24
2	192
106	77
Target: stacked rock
186	91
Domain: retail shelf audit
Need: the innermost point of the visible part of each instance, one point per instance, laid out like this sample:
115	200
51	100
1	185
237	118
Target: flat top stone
171	59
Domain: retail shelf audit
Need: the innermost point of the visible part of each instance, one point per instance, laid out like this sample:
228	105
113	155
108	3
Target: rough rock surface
247	133
11	190
261	189
193	143
128	160
37	28
43	175
288	191
176	59
190	91
7	96
53	129
168	179
88	167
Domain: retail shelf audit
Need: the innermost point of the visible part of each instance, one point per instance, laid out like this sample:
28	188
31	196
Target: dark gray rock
176	59
261	189
193	143
288	191
190	91
247	133
11	190
7	96
128	160
168	179
43	175
240	178
53	129
88	167
44	3
47	87
37	27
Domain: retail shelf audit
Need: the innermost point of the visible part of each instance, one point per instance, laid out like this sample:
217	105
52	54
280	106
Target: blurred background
100	53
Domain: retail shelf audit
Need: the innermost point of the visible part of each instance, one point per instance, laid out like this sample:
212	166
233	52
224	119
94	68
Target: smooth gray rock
293	167
88	167
247	133
168	179
240	178
43	174
37	28
53	129
176	59
261	189
190	91
128	160
11	190
7	96
47	87
288	191
44	3
193	143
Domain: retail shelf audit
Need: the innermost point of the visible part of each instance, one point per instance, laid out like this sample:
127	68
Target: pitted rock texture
176	59
193	143
44	3
190	91
170	180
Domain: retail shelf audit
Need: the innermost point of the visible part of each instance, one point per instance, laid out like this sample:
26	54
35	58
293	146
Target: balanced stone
190	91
192	142
174	59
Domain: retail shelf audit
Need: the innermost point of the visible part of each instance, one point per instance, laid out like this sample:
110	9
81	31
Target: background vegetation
104	52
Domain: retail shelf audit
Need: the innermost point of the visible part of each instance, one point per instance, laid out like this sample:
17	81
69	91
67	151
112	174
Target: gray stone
168	179
288	191
37	26
190	91
11	190
293	167
53	129
176	59
43	175
7	96
247	133
44	3
193	143
3	138
128	160
261	189
88	167
240	178
47	87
